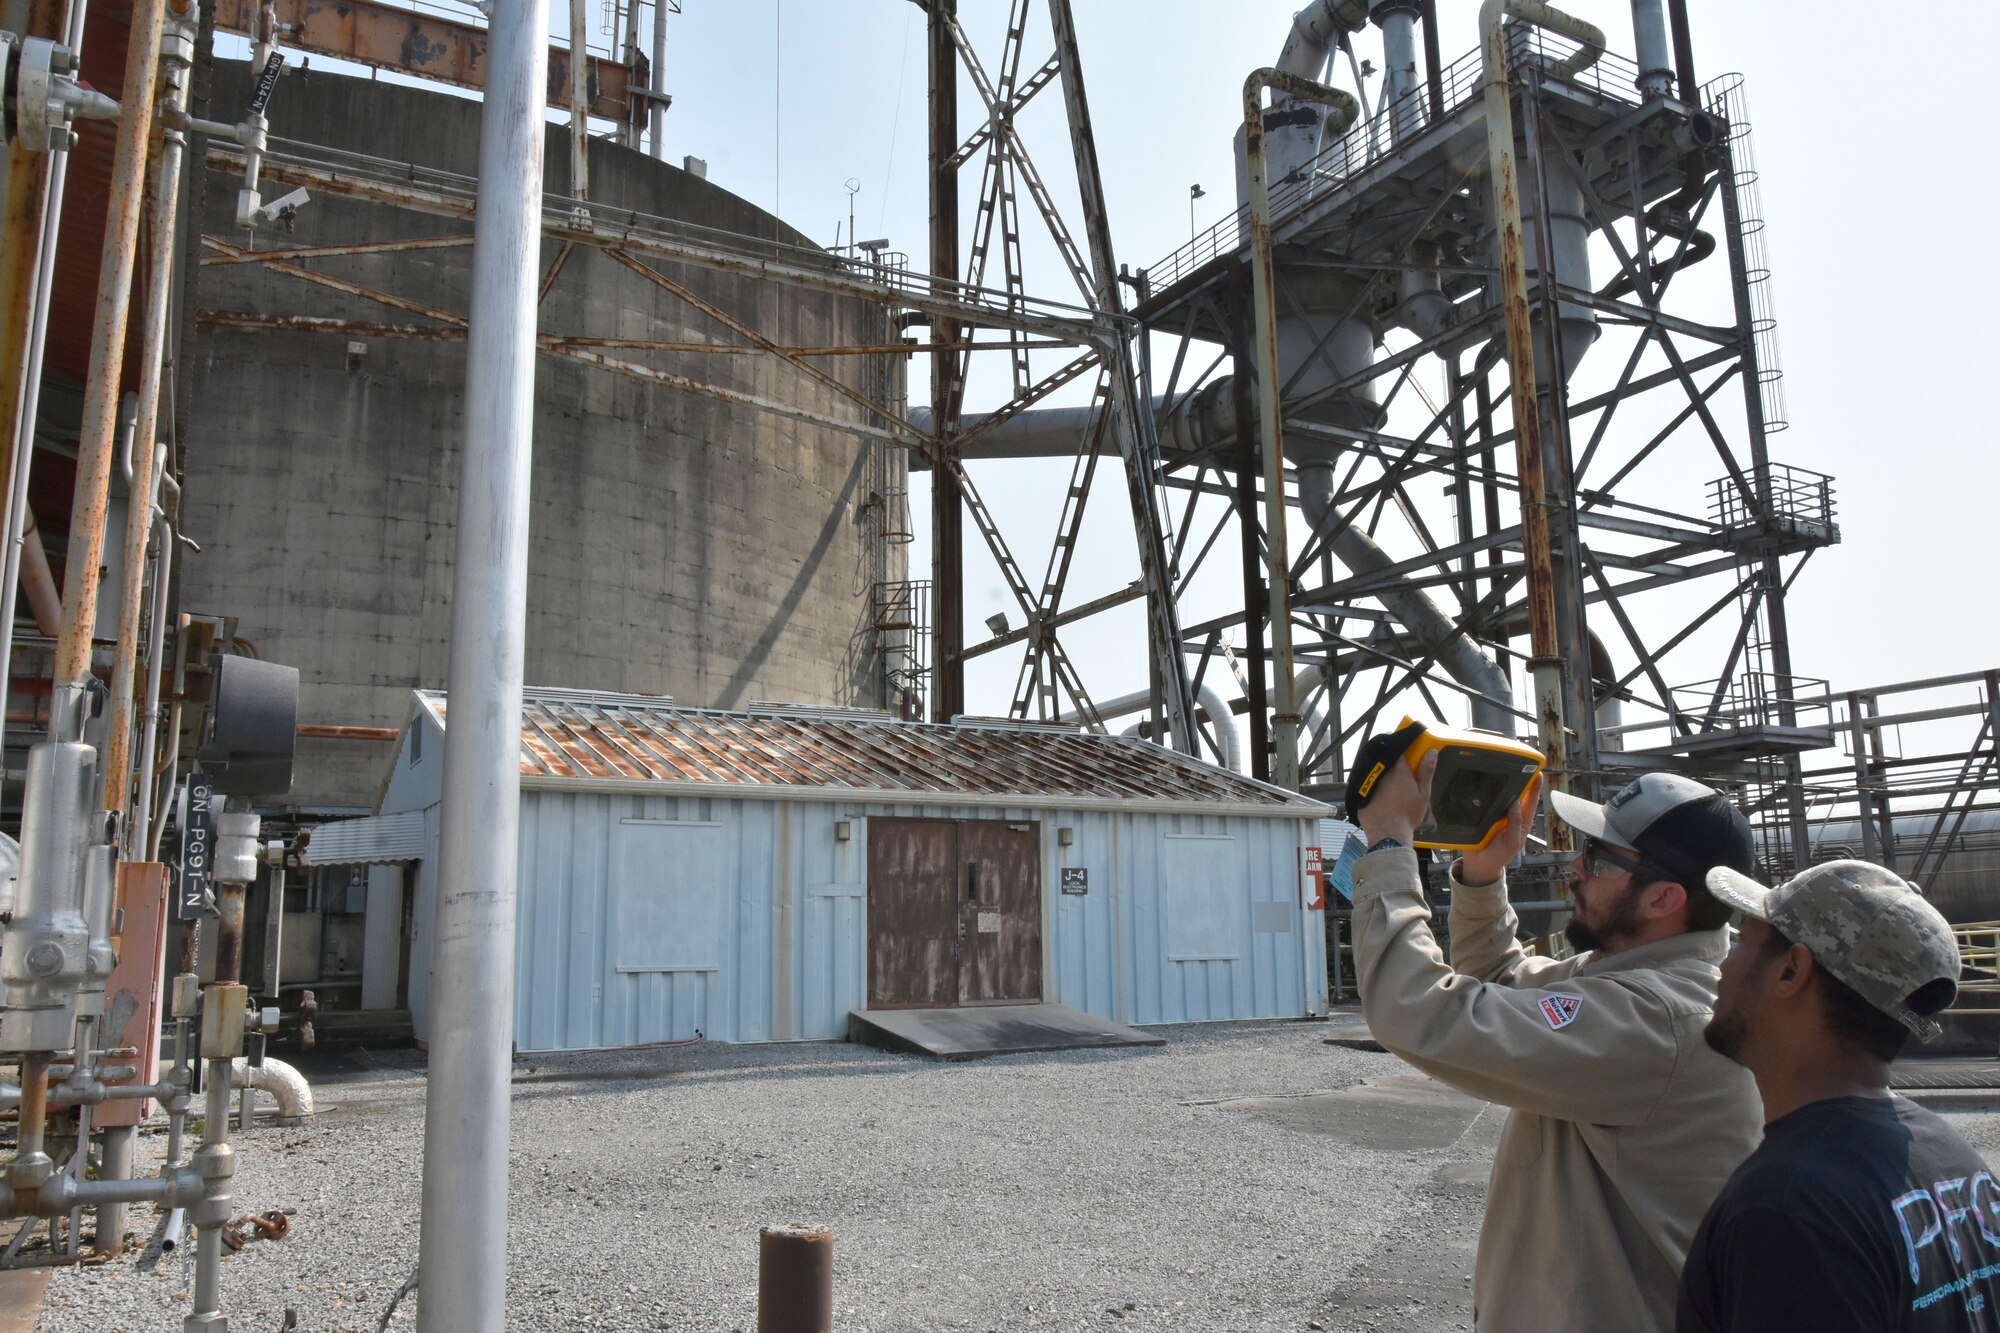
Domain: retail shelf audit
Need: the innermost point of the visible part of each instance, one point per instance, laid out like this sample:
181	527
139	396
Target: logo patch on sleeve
1561	1010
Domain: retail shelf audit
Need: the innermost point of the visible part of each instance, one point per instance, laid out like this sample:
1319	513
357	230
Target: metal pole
947	502
107	345
1264	340
795	1280
579	99
25	210
1256	690
628	133
28	403
657	113
176	60
464	1229
1545	661
1133	411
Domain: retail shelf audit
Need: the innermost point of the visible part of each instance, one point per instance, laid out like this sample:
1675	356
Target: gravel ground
1130	1189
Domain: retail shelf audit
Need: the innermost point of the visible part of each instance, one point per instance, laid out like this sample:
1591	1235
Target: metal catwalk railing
1372	139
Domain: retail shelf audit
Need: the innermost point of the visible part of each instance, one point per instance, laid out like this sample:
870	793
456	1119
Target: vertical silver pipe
628	133
579	99
657	112
463	1249
1399	65
1270	418
208	1244
117	1166
1649	39
149	717
31	389
1264	333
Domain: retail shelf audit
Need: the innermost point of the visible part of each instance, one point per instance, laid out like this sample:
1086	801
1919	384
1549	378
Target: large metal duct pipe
1649	43
1208	697
1569	248
1398	21
1457	654
1295	129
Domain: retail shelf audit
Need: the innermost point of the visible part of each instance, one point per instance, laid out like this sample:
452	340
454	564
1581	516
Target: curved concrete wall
680	545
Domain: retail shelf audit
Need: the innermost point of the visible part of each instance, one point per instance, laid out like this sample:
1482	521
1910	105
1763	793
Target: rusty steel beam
430	46
556	267
738	327
363	328
338	251
584	350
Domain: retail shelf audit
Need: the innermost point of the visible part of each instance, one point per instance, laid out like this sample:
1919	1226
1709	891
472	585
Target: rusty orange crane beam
428	46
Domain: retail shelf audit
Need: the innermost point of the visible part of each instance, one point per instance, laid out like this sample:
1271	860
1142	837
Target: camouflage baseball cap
1862	923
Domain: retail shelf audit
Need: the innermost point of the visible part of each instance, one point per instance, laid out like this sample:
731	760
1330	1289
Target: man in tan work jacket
1624	1123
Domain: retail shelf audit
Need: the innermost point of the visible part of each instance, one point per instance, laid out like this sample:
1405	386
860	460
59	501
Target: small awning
373	839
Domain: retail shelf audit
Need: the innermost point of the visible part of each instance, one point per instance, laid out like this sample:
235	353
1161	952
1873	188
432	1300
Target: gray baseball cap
1673	822
1866	925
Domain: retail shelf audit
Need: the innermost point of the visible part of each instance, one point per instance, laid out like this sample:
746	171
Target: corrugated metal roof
574	738
360	841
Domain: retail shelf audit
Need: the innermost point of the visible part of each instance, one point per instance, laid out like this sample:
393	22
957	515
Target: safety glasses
1601	858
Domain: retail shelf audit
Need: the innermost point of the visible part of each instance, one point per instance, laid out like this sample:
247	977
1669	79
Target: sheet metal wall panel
1083	929
830	936
796	925
421	932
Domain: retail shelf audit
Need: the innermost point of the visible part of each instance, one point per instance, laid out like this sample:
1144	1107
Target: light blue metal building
754	876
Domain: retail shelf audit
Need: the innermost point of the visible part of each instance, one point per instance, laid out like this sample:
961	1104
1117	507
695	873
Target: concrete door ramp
980	1030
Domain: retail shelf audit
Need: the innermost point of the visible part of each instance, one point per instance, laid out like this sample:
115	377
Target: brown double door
954	912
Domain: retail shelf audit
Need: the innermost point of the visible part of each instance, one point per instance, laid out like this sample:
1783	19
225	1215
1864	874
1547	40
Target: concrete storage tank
680	545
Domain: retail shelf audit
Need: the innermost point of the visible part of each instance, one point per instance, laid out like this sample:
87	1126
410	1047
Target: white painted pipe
463	1242
286	1084
1207	696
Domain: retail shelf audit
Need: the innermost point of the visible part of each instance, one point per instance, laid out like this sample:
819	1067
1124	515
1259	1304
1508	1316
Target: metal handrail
1362	146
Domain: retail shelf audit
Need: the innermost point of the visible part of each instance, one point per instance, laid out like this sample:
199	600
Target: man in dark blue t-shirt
1860	1210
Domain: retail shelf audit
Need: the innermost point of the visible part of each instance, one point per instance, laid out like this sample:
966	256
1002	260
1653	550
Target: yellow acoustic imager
1481	775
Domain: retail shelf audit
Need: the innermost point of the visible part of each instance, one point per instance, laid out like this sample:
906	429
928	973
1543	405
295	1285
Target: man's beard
1727	1033
1622	924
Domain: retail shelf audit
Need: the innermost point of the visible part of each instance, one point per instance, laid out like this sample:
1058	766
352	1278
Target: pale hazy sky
1873	134
1873	138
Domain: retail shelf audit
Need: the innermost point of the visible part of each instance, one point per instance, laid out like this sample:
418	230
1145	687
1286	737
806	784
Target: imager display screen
1471	793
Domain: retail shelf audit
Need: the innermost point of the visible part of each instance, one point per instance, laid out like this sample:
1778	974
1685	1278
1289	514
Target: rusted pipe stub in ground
795	1279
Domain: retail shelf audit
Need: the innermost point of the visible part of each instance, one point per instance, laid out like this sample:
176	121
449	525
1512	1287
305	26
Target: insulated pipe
463	1245
1316	30
1264	336
286	1084
1546	662
39	581
1456	652
1649	41
143	457
1208	697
